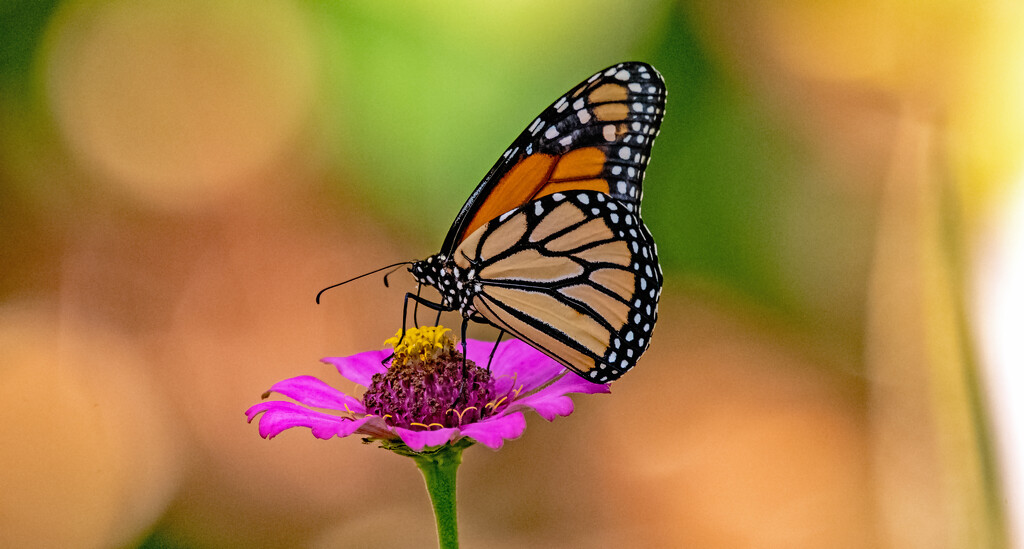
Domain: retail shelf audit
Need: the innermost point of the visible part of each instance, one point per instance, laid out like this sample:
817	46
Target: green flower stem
439	469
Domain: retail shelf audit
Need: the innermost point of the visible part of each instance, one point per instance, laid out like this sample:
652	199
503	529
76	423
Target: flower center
428	384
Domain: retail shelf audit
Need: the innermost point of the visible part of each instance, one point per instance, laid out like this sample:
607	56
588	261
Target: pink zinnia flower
428	396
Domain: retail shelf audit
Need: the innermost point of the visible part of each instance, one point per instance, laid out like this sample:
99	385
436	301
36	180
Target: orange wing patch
532	264
613	311
539	175
513	190
579	164
547	310
608	93
550	346
609	112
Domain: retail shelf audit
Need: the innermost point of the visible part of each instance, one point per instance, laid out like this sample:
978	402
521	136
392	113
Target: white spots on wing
551	133
584	116
565	141
616	170
538	208
622	187
635	87
578	104
584	199
622	75
557	197
638	107
609	132
561	104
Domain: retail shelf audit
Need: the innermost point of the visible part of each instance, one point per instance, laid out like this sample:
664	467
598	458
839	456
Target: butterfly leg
415	309
495	348
462	390
405	314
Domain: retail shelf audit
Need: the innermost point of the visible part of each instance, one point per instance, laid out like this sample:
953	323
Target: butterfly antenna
393	266
389	273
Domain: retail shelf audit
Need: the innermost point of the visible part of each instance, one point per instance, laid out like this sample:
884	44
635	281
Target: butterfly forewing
575	274
596	137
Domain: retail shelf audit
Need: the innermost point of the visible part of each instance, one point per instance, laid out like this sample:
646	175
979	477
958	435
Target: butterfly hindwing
574	274
596	137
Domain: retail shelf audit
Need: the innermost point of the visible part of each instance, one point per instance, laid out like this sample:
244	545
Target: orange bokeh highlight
179	103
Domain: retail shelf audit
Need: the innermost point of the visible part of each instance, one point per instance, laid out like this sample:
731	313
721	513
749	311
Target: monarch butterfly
550	246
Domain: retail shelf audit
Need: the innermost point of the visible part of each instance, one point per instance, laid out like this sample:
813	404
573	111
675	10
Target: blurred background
836	195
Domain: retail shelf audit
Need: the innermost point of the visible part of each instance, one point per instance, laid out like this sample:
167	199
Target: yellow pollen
423	344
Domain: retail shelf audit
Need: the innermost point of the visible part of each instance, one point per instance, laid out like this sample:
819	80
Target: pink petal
418	440
493	432
551	401
279	416
314	393
360	367
519	363
547	406
575	383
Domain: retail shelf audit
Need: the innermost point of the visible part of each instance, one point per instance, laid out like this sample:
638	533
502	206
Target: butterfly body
550	247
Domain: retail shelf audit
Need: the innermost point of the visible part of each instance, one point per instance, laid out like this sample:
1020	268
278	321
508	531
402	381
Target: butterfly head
454	284
427	271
